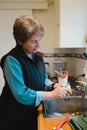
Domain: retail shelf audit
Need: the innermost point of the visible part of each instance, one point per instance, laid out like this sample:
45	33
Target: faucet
84	85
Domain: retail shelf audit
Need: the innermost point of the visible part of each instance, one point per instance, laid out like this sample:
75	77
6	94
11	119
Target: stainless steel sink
69	104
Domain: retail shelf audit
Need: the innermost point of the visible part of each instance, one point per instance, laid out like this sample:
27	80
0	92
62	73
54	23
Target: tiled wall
73	57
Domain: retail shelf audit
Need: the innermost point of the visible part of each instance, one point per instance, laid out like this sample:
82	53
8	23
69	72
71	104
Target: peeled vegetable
68	87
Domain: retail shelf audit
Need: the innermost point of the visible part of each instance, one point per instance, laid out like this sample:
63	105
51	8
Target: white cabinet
72	23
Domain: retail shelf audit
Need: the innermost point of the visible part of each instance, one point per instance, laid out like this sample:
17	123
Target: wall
7	42
46	17
8	15
50	19
59	28
67	23
73	57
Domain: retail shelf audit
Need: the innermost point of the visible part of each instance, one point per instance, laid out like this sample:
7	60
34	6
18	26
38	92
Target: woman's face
32	44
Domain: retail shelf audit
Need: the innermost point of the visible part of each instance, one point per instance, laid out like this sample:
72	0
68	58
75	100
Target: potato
69	90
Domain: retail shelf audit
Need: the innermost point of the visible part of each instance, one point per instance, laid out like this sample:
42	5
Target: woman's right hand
59	92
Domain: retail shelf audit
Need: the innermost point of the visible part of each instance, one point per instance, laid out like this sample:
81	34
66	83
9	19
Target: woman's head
26	26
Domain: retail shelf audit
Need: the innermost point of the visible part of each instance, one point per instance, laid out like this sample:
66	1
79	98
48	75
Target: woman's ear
19	42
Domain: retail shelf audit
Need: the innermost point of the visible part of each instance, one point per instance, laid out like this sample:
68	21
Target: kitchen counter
49	123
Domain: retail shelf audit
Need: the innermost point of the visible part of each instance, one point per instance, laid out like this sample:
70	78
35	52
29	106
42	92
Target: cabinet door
72	23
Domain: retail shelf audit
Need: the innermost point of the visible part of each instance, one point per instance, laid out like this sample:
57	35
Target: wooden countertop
49	123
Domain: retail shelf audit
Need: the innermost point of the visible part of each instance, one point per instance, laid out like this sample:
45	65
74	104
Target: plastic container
63	77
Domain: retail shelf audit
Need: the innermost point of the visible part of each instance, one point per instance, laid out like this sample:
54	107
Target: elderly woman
25	78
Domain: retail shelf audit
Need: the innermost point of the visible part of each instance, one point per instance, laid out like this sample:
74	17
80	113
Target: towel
85	116
74	125
78	122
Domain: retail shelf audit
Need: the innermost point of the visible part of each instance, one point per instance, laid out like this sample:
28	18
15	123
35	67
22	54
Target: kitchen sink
61	106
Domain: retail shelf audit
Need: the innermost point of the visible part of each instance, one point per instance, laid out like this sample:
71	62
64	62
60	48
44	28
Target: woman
25	78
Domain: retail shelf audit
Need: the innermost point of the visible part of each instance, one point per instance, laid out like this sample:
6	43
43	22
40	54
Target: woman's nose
38	45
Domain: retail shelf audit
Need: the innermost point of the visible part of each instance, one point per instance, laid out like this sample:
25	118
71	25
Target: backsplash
67	52
72	57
